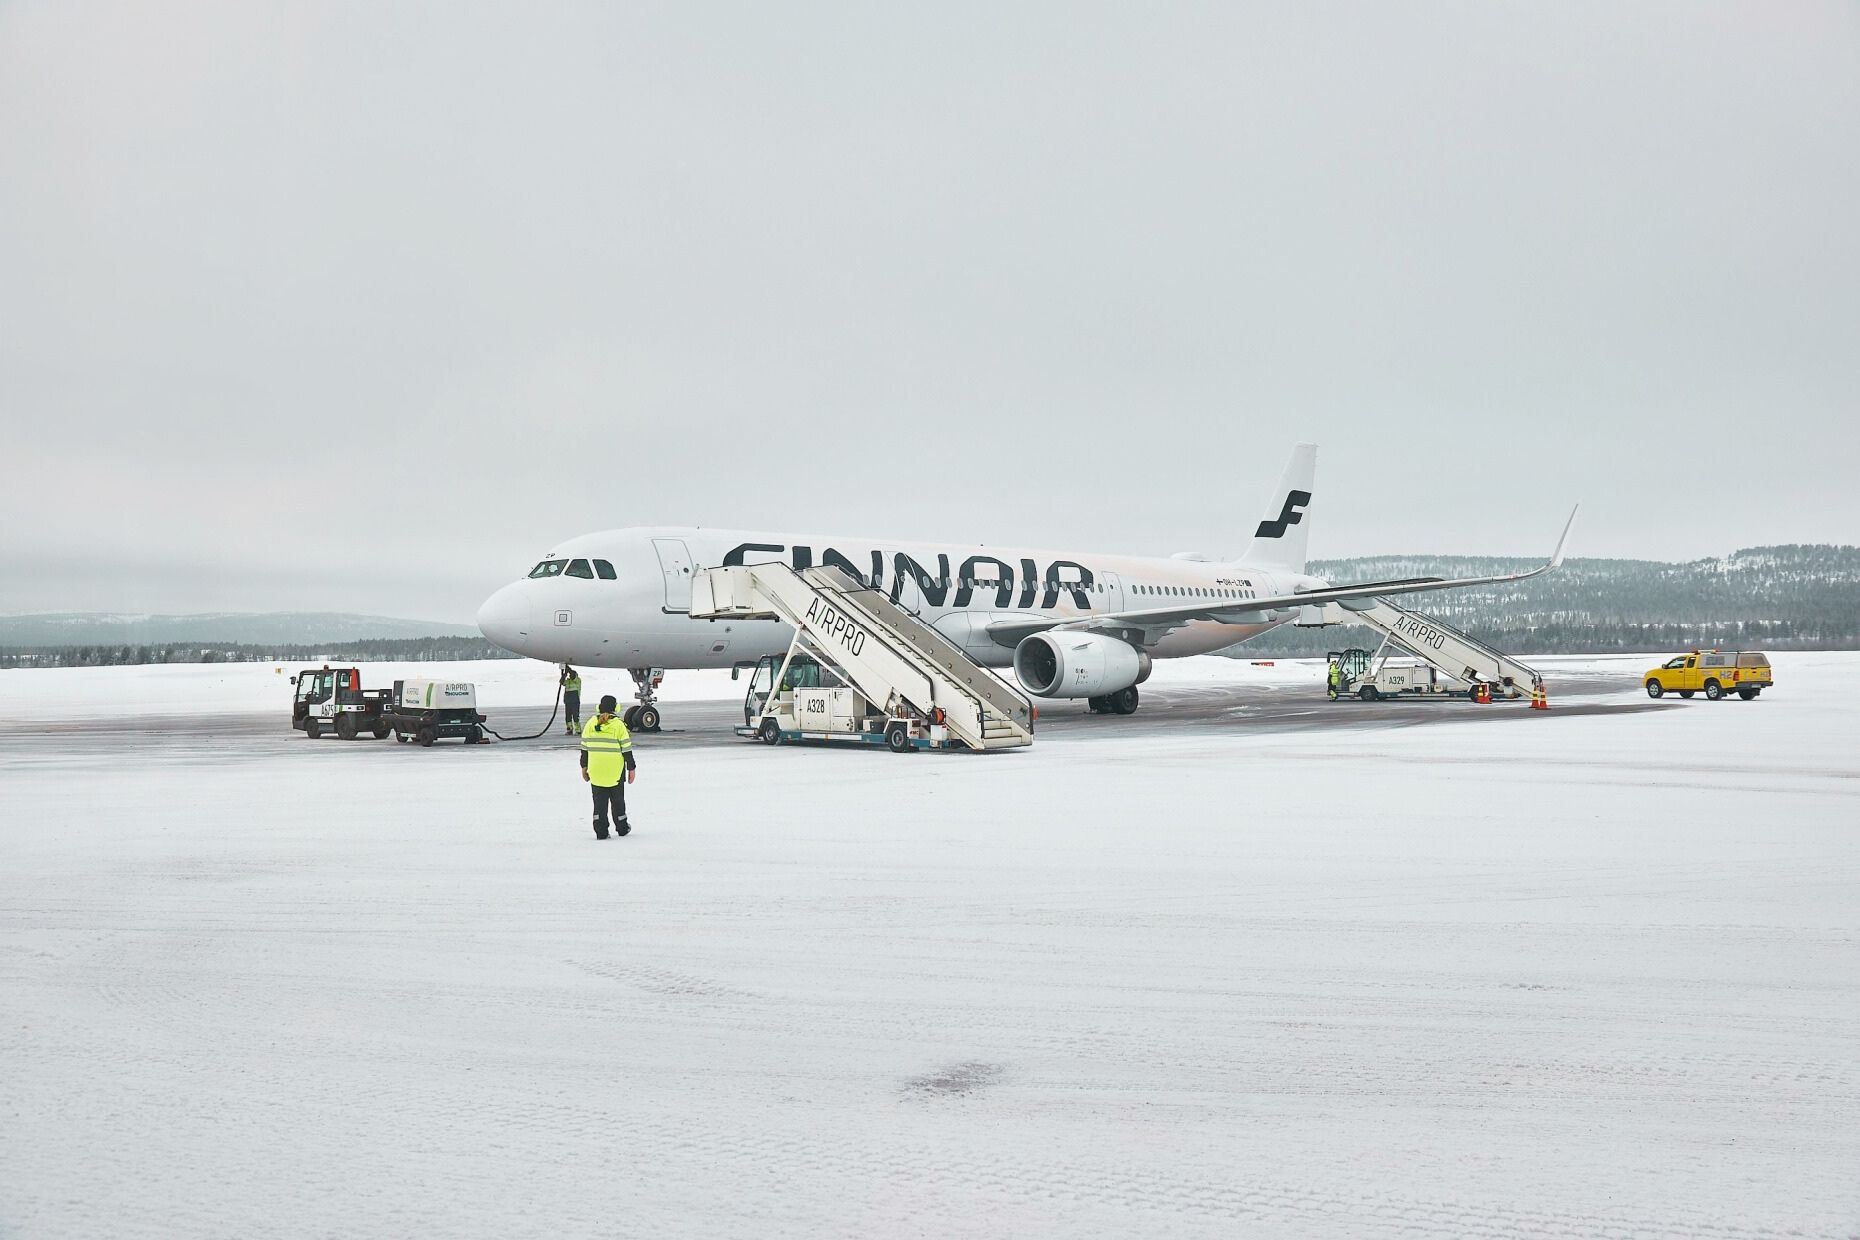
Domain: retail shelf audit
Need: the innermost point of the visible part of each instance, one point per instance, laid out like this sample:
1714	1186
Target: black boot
622	827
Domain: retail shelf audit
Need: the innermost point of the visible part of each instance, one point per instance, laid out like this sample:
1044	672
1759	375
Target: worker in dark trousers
571	701
607	765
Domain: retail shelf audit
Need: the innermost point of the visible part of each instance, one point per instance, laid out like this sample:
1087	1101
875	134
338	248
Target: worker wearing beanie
607	765
571	700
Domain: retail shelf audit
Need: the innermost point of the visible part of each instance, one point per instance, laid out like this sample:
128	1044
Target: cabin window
605	571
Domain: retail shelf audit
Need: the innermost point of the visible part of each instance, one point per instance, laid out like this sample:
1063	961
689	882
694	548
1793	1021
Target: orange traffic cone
1540	698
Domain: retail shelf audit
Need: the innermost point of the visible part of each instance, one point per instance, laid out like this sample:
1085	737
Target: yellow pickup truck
1718	672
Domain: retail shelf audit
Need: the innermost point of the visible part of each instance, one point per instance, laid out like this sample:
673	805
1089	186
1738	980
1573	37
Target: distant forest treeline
396	650
1797	597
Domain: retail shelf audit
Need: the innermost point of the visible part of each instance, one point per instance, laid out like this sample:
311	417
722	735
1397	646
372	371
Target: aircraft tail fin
1280	539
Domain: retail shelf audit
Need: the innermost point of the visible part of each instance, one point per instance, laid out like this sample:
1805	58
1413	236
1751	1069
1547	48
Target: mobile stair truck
1464	663
900	683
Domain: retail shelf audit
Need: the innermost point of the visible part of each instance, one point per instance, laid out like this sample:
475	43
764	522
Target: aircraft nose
505	618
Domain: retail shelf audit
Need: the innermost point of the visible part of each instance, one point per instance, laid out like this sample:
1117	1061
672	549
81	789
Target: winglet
1556	557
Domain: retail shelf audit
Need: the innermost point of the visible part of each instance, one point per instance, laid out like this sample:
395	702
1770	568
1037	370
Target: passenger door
675	563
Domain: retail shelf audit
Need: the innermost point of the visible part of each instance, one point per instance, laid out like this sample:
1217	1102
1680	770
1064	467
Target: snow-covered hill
1785	597
110	628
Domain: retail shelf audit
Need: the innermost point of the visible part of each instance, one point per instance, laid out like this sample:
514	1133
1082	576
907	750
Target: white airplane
1070	624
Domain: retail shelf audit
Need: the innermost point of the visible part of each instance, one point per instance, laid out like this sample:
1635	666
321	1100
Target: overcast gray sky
361	306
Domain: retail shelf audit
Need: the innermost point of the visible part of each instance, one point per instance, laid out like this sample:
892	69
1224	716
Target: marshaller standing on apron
607	766
571	701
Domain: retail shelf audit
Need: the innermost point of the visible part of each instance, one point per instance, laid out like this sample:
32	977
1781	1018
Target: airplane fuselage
620	598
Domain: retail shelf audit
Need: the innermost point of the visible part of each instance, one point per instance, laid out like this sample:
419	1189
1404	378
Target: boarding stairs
1437	643
882	650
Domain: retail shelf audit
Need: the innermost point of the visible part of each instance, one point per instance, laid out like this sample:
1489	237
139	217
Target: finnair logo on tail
1293	512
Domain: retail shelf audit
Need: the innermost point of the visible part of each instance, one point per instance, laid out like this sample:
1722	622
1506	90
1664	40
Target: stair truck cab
1715	672
806	700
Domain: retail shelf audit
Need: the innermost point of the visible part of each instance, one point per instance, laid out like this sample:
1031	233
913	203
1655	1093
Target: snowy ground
1590	972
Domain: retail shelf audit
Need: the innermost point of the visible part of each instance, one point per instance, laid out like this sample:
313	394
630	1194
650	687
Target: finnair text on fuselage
952	579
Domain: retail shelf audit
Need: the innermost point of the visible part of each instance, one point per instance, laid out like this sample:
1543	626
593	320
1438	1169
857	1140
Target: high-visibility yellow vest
572	684
607	745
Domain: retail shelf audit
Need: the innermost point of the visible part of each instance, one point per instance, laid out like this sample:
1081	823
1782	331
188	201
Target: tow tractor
795	699
334	698
419	710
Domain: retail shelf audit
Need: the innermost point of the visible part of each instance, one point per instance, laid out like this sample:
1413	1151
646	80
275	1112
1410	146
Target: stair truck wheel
769	731
1368	693
313	728
427	735
1655	688
1123	702
345	727
1747	694
898	738
645	718
1713	690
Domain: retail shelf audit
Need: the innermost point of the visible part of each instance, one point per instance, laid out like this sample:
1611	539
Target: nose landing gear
644	716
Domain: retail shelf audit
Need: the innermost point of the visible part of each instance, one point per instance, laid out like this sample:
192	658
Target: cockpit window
549	568
605	570
579	568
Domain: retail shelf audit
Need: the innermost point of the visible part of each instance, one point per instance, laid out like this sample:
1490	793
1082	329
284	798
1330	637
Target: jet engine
1061	664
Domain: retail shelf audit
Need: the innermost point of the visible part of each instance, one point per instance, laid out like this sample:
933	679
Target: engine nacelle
1060	664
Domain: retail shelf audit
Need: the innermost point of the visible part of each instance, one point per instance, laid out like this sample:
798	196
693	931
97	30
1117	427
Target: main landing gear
1123	702
644	716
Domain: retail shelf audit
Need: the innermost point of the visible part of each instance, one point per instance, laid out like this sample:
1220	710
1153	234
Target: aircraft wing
1146	627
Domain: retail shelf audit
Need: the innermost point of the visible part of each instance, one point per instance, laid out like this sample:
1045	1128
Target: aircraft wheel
1713	690
770	731
629	716
1123	702
1655	689
898	738
645	718
313	728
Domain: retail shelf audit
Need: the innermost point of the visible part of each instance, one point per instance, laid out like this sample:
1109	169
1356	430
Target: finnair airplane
1071	624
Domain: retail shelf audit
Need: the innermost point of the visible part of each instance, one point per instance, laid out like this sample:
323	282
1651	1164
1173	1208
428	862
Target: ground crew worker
607	765
1336	677
571	701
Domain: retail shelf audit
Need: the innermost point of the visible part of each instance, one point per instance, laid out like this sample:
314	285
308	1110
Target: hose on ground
553	712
